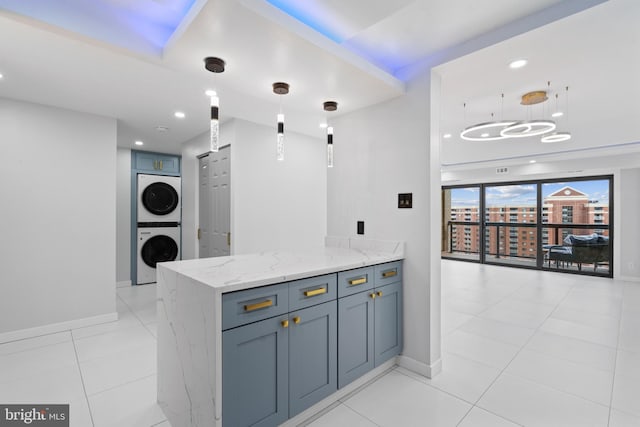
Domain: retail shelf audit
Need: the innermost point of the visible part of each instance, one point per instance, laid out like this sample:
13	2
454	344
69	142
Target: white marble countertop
232	273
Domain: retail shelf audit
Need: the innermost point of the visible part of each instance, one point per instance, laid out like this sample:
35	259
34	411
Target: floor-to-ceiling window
461	222
562	225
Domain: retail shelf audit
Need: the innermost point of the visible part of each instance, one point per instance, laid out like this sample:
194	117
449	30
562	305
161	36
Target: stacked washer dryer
159	216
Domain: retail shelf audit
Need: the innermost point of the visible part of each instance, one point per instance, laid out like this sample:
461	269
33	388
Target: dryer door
159	249
160	198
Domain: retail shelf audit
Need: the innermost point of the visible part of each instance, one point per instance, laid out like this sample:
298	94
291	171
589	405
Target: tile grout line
84	389
133	312
615	361
522	348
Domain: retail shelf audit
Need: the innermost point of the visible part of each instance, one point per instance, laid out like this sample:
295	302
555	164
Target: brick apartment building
510	234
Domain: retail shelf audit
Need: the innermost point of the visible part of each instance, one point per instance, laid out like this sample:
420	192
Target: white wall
628	228
123	215
58	228
274	205
379	152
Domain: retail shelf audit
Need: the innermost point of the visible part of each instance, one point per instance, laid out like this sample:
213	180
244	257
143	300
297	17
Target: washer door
159	249
160	198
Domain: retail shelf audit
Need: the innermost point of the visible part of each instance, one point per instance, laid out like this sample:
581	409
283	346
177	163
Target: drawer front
353	281
312	291
242	307
388	273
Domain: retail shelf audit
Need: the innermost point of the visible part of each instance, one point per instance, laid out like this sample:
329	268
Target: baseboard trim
52	328
123	284
628	278
420	368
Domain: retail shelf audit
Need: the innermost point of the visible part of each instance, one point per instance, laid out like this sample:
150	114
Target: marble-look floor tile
116	369
484	350
113	342
341	416
535	405
34	343
574	350
630	333
452	320
623	419
461	377
499	331
506	313
626	384
61	384
563	375
131	405
397	400
478	417
605	335
36	361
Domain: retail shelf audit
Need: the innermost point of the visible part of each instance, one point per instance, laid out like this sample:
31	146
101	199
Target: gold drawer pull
285	323
372	295
258	305
359	281
296	320
315	292
379	293
389	273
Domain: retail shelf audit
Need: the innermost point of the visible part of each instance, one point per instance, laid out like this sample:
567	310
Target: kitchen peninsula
265	338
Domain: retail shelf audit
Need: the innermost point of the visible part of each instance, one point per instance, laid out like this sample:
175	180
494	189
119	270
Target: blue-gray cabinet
255	374
355	337
287	346
313	345
156	162
369	319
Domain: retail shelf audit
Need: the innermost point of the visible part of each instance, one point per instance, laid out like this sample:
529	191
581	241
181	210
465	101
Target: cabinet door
312	355
255	374
168	164
355	337
388	322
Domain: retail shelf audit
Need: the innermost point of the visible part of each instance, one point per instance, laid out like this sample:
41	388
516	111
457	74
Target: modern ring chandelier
506	129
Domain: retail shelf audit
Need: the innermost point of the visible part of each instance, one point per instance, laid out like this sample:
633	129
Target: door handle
229	239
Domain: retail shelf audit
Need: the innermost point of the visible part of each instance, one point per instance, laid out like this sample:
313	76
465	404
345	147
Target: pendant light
280	88
215	65
560	136
330	106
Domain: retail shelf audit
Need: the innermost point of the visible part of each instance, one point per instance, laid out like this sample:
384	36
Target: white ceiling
114	58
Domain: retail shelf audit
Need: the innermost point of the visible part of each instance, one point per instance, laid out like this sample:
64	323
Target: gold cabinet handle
372	295
199	233
258	305
229	239
285	323
359	281
379	293
315	292
296	320
155	164
389	273
160	164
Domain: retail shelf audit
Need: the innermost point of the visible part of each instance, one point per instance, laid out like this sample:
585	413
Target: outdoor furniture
580	249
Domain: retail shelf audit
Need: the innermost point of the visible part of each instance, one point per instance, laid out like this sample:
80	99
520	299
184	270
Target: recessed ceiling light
518	63
446	135
532	161
139	143
210	92
179	114
323	125
557	114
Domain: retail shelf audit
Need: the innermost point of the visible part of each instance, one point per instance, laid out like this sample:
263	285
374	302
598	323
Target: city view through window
559	225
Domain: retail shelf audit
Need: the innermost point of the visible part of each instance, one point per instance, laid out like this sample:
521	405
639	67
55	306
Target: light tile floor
520	348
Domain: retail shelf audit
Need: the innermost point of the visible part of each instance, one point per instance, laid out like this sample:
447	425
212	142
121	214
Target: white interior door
204	213
220	202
